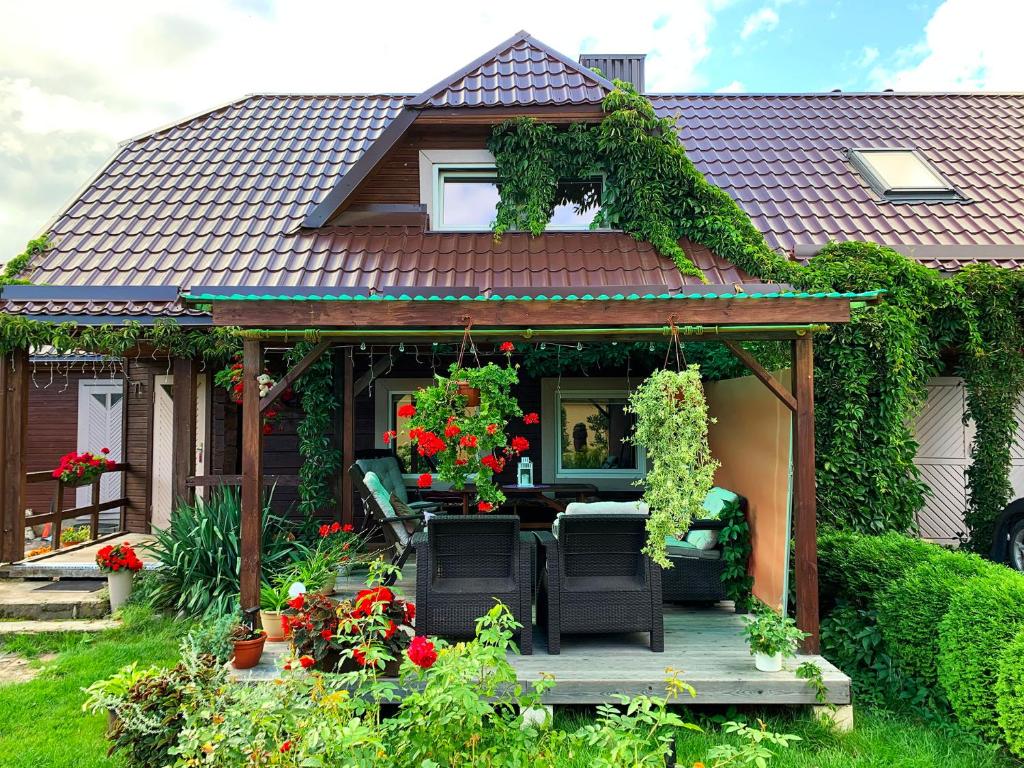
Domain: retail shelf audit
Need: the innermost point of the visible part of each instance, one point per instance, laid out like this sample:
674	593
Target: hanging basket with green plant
672	428
460	423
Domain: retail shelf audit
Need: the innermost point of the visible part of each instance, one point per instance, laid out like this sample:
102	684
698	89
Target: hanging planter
460	423
230	380
672	427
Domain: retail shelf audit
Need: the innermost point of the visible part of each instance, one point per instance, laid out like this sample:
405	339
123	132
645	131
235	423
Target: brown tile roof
782	158
219	199
522	71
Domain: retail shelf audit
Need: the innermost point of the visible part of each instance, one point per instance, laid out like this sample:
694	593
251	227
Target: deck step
49	600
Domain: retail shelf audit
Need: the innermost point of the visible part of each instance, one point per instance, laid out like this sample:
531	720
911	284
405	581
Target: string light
579	346
362	346
543	345
401	346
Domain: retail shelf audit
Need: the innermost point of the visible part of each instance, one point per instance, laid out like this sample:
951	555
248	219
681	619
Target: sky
76	79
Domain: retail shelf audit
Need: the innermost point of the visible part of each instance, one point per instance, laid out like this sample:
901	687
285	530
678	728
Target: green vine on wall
321	460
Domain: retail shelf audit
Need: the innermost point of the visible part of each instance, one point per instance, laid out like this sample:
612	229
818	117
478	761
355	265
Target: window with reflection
593	435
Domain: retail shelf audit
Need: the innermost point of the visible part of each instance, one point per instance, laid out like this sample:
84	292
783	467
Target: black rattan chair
597	580
464	564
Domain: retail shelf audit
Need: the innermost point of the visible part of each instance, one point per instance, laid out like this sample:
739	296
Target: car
1008	540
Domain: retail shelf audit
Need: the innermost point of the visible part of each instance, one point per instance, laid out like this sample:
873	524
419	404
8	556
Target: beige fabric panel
752	440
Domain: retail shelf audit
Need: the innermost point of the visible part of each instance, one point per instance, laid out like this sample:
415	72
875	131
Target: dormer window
903	176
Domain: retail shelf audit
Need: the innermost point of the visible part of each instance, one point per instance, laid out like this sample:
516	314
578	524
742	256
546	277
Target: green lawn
43	724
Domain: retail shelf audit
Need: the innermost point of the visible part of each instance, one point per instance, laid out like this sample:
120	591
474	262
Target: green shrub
199	554
909	610
1010	695
983	617
858	567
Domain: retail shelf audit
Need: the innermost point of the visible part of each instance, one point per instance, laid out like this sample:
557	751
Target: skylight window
903	175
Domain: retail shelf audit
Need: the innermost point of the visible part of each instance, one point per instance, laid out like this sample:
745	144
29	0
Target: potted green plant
273	599
120	563
317	571
248	646
771	637
672	428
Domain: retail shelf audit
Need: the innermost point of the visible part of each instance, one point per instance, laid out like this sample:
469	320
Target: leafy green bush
858	567
1010	695
910	609
200	554
983	617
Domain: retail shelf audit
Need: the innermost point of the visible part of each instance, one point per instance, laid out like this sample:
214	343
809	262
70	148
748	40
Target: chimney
618	66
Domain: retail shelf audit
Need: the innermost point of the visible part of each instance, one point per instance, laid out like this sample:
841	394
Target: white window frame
384	390
435	163
553	391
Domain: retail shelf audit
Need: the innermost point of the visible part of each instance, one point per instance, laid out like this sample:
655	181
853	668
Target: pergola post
14	380
804	493
348	438
184	419
252	477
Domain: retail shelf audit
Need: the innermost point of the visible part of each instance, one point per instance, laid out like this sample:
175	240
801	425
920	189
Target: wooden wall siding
138	451
52	428
397	178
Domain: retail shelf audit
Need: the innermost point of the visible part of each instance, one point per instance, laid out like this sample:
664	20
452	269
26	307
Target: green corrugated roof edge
201	297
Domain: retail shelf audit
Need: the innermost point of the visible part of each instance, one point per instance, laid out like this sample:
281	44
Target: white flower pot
766	663
119	583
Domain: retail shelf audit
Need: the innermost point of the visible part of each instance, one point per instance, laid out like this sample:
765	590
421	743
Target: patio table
535	493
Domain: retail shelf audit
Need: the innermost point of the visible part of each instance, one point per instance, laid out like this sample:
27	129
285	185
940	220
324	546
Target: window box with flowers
120	563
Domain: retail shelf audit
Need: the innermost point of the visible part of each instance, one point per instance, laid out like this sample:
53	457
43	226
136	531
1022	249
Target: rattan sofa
597	580
464	564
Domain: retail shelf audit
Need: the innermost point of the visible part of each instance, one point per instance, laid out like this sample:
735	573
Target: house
369	215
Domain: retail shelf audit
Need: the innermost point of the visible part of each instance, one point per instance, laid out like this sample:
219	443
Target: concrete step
47	600
56	625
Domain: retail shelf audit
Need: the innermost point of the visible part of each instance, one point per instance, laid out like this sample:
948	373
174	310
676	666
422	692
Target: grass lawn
42	720
43	725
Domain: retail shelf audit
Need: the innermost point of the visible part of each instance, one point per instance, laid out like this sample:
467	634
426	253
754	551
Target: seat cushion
601	508
682	548
389	472
717	501
383	498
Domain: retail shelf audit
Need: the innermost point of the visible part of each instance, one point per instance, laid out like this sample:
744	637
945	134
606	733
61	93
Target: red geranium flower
307	661
520	444
104	450
286	746
326	634
389	436
297	602
531	418
461	462
410	613
492	428
507	347
325	531
424	480
452	430
485	506
335	527
422	652
407	410
267	429
367	598
347	528
468	441
493	463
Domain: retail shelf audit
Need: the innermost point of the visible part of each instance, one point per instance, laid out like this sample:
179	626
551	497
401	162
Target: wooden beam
183	412
527	314
14	379
377	369
804	494
252	478
762	375
289	378
348	440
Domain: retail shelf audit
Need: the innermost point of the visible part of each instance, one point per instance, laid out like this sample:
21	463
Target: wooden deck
706	646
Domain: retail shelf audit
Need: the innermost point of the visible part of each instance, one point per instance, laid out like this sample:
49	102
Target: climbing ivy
871	374
11	274
321	460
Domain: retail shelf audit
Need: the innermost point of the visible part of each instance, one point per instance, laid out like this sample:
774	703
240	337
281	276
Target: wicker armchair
464	564
597	580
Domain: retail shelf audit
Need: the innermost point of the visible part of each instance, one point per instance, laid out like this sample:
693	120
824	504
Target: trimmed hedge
983	618
1010	695
909	611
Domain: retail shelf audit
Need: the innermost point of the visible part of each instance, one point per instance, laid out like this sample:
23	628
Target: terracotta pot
271	621
119	584
471	393
248	652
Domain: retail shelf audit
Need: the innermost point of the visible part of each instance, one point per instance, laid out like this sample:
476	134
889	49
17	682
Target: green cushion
717	500
383	498
388	472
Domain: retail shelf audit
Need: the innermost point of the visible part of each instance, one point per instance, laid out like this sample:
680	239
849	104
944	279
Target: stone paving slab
60	625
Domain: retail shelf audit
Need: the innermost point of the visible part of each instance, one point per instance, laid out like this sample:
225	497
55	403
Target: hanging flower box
79	469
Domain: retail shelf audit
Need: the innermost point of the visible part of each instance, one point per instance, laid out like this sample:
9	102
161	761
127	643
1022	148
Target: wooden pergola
730	316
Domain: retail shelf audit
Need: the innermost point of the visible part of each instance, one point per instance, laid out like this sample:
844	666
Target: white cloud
867	57
76	81
734	87
762	20
967	45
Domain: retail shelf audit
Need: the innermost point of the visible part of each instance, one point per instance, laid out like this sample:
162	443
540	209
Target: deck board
706	646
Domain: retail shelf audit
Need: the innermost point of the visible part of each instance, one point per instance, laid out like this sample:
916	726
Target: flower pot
766	663
327	589
248	652
471	393
119	584
271	621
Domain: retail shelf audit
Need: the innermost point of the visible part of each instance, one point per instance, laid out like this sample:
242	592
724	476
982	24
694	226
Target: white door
101	425
163	446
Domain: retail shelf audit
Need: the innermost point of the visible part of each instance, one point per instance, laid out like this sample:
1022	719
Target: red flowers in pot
82	468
